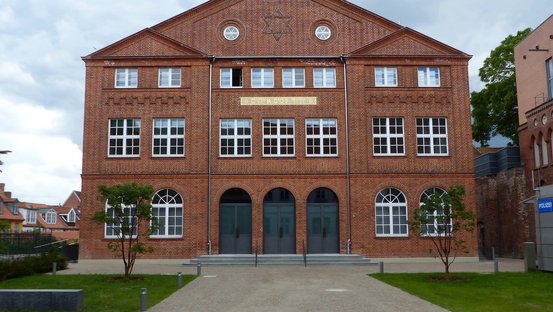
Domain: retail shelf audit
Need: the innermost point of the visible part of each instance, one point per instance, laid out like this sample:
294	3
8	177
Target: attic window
50	217
323	32
71	216
231	33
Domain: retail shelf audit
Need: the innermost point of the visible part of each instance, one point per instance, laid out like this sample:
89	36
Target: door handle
324	232
280	232
237	232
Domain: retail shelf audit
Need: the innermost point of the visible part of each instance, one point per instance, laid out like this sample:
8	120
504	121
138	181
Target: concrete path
289	288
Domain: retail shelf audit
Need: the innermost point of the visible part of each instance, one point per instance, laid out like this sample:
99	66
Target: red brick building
273	125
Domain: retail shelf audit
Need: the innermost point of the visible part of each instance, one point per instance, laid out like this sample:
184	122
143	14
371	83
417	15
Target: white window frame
50	217
266	77
320	124
173	76
383	73
388	136
434	225
125	137
323	32
282	127
72	216
236	124
293	71
389	202
537	163
129	79
231	33
228	72
172	128
426	78
326	81
549	72
431	136
31	216
114	226
166	200
545	150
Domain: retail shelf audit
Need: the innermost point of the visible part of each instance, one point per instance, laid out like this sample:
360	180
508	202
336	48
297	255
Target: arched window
544	150
438	219
391	213
167	211
536	153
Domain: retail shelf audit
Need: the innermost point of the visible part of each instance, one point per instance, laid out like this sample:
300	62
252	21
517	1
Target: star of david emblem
277	24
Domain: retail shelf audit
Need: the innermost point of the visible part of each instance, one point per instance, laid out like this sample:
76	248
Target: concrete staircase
312	259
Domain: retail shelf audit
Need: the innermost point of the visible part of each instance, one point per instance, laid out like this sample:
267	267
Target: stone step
312	259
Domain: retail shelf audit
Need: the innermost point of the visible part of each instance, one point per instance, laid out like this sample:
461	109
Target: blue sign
545	205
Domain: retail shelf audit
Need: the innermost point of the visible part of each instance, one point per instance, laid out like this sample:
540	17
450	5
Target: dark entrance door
279	222
235	223
322	222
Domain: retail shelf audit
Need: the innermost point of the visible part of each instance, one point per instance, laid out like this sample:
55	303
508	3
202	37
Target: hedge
19	267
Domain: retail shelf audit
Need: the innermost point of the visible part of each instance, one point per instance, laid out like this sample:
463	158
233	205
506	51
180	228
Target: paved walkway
288	288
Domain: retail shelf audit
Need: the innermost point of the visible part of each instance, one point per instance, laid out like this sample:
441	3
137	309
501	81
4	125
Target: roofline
533	30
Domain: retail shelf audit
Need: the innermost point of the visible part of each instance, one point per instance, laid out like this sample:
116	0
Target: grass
103	292
479	292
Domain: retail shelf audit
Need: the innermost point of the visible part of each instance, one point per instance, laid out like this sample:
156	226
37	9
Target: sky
42	74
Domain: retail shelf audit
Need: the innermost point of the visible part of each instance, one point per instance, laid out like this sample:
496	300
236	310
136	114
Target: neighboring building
534	74
9	212
273	125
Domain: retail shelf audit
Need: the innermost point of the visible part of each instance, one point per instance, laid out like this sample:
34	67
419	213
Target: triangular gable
408	42
147	42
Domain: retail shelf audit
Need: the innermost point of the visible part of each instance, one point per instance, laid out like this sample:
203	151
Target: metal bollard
381	265
199	269
143	299
179	279
493	253
496	266
54	268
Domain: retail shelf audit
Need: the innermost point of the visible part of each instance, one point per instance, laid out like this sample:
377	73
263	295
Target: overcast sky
42	75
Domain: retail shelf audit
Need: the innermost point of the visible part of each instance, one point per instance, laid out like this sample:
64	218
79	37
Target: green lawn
103	292
480	292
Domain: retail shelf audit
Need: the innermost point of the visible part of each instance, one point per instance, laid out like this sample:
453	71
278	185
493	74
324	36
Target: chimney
8	194
2	185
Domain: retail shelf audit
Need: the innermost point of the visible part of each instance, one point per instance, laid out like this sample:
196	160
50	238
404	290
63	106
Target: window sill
165	237
392	236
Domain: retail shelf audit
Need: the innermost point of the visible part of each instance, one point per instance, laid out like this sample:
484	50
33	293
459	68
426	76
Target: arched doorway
322	222
235	222
279	222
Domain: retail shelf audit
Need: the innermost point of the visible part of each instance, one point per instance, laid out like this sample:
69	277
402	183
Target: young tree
442	217
128	206
494	108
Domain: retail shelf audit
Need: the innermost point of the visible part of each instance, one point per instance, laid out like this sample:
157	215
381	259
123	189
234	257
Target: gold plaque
274	101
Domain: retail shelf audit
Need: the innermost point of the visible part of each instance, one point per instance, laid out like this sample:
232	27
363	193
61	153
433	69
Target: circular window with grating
323	32
231	33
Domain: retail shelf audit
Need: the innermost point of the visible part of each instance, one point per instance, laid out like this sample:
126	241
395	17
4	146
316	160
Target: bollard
54	268
496	266
143	300
493	253
179	279
199	269
381	264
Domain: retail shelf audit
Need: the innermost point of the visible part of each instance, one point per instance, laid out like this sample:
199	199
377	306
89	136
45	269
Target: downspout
343	60
211	61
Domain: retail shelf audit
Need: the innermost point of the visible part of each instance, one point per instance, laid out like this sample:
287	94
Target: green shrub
18	267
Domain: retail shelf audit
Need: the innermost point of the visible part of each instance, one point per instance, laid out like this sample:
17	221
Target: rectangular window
124	138
169	78
324	77
388	137
236	137
429	76
168	138
432	137
263	78
125	222
321	137
385	77
549	67
391	220
278	137
231	77
126	77
293	78
50	217
31	217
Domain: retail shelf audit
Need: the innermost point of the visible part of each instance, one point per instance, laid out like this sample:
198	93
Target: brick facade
277	34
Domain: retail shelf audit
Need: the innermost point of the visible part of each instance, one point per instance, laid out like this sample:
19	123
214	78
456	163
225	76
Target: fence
24	243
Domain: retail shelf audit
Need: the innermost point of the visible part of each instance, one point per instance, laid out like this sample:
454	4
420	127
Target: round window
231	33
323	32
544	119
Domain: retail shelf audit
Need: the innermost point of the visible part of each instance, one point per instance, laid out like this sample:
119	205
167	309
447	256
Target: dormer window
50	217
71	216
31	217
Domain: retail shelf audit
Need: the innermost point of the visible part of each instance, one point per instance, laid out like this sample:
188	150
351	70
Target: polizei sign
545	205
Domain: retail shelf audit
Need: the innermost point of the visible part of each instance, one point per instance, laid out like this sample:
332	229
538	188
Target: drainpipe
343	60
211	61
